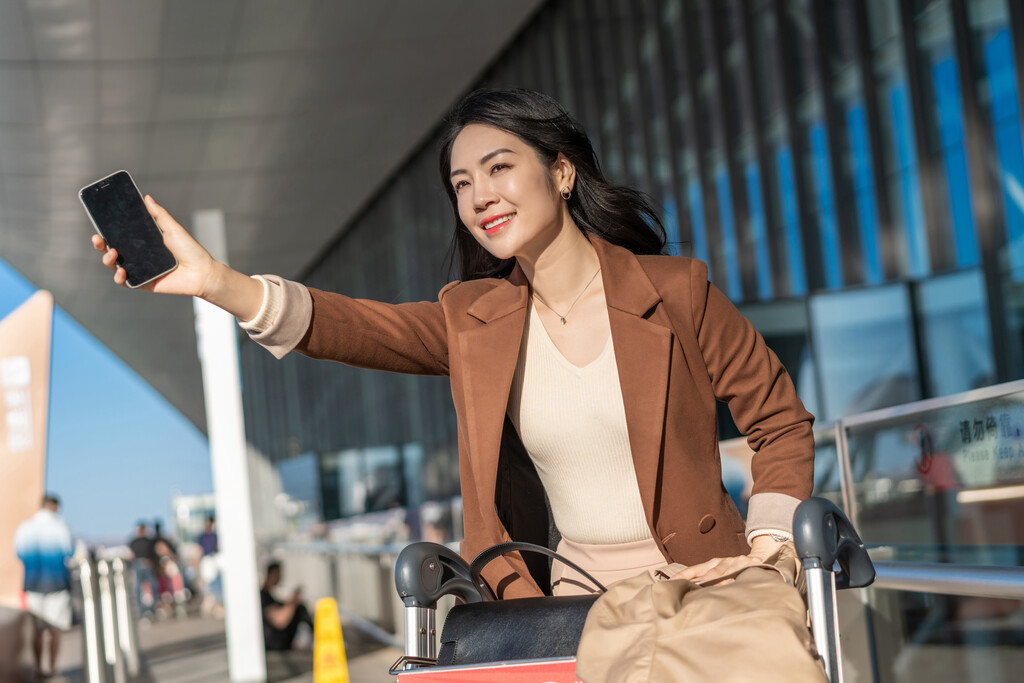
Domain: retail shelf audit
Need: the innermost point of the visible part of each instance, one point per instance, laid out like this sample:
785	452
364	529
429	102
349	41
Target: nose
483	196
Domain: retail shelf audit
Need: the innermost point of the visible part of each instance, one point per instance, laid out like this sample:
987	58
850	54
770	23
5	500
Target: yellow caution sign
329	662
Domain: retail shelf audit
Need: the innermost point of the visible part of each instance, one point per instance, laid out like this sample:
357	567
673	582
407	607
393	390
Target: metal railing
951	579
111	649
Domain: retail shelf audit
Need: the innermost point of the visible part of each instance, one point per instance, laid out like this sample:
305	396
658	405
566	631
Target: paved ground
193	650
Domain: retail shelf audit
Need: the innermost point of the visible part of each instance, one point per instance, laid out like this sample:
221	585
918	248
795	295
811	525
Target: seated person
281	619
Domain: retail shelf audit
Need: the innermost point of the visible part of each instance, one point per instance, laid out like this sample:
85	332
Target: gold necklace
560	316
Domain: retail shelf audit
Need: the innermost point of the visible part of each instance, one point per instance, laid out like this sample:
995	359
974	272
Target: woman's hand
761	549
195	264
198	273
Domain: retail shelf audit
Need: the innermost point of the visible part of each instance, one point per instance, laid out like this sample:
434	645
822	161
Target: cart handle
822	532
424	572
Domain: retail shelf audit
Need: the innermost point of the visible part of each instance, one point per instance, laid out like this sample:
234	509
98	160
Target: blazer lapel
643	357
490	352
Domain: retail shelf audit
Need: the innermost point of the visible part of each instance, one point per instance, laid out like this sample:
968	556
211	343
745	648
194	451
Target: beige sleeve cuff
284	315
770	513
269	308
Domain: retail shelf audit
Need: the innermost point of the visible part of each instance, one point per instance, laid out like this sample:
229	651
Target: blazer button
707	523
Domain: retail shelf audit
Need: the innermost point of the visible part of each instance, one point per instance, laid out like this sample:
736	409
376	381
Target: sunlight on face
507	197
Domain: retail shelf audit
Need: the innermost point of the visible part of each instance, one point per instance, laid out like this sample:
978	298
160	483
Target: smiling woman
601	399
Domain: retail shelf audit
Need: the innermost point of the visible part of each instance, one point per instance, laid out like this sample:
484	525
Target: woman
584	365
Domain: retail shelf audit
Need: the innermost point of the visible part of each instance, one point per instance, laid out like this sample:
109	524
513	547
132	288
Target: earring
566	193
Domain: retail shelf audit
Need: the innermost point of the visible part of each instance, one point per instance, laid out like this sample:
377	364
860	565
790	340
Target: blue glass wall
862	161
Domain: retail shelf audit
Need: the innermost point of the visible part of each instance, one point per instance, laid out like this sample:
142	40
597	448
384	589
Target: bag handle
495	551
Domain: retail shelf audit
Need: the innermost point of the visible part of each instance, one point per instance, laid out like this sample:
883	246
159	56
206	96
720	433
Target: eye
460	184
498	167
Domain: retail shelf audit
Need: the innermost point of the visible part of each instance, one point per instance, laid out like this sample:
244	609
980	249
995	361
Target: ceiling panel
19	98
287	114
69	92
341	25
265	29
175	148
188	89
128	92
252	87
22	150
129	29
122	147
231	145
201	28
26	194
61	30
14	34
217	191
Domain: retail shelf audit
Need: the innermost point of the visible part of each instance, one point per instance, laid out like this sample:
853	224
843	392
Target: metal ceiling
286	114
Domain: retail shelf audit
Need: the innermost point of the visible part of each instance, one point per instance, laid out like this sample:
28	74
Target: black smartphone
115	206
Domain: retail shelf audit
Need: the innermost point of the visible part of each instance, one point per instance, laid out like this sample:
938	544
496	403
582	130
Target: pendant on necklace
563	320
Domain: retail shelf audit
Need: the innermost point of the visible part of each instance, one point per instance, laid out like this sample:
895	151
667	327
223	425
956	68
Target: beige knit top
572	422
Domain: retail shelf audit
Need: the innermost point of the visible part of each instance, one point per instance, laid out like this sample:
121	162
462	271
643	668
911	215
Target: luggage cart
832	554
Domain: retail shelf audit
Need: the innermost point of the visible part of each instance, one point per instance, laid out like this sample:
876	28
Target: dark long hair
620	215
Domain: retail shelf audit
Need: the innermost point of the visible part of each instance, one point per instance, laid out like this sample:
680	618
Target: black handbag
527	628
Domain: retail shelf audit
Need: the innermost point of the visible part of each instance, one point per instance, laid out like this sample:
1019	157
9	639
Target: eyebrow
483	160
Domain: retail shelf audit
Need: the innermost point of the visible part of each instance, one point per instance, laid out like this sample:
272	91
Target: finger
159	213
110	258
729	566
120	276
697	570
154	208
99	243
716	572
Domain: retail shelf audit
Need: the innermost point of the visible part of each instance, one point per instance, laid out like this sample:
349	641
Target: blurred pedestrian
209	570
281	620
170	577
44	544
144	562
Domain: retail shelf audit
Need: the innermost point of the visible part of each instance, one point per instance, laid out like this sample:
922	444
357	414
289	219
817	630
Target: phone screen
121	218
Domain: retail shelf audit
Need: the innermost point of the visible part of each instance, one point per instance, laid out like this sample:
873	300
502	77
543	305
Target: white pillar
222	388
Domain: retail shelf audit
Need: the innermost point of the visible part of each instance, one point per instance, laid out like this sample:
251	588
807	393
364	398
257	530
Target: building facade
852	172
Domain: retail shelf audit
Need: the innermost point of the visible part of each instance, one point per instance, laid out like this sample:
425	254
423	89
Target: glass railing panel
921	637
942	480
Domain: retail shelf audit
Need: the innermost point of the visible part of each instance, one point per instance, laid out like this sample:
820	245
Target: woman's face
507	198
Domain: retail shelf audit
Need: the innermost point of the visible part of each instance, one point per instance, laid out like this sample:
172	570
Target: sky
116	449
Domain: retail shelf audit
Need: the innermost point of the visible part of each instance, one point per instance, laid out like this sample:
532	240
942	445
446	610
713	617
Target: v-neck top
572	422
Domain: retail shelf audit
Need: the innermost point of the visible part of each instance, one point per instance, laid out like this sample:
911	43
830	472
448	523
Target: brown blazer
679	345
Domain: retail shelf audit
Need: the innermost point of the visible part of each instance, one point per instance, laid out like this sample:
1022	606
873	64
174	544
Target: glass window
817	163
855	196
864	350
944	117
953	315
997	92
782	204
680	96
385	478
901	180
712	124
752	226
